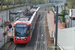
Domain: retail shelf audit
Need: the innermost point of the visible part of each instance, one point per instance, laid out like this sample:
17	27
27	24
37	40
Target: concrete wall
66	38
2	43
50	29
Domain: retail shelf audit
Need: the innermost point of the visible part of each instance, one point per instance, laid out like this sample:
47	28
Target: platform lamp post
56	28
3	26
2	22
12	31
13	5
9	16
71	19
1	4
26	4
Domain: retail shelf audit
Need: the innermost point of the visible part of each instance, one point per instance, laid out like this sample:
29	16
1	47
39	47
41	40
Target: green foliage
10	3
42	5
5	47
53	47
53	6
61	18
70	4
63	11
4	2
40	1
50	8
31	5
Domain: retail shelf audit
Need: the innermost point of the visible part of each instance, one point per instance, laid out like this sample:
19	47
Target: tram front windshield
20	30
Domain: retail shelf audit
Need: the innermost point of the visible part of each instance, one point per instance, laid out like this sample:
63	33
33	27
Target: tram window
28	30
34	7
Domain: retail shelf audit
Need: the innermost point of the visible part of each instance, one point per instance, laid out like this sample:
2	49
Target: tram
36	9
24	27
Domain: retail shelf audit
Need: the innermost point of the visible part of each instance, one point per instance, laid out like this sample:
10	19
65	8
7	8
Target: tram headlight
25	38
16	38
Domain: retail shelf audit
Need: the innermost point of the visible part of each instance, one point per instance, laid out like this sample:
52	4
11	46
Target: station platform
10	35
5	29
51	24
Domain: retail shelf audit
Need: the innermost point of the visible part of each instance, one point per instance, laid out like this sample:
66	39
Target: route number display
21	25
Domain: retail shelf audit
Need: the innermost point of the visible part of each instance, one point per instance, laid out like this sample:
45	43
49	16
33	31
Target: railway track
20	47
14	46
29	45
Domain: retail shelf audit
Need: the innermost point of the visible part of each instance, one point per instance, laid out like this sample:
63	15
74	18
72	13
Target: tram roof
23	19
27	16
34	7
29	13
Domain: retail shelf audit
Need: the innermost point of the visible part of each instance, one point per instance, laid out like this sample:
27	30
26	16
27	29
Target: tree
70	4
1	4
31	5
64	12
7	3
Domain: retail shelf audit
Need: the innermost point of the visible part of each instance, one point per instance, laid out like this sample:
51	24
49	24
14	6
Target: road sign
1	35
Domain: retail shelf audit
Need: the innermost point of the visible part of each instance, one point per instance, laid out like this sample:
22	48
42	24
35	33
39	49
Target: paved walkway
50	19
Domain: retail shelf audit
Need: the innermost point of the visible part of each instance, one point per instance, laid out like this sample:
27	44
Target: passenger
10	26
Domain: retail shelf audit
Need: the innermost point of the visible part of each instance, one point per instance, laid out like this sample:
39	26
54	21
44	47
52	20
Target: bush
70	4
50	8
64	12
54	6
31	5
61	18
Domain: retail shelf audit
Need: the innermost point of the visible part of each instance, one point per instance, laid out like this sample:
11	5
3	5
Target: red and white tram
24	27
36	9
